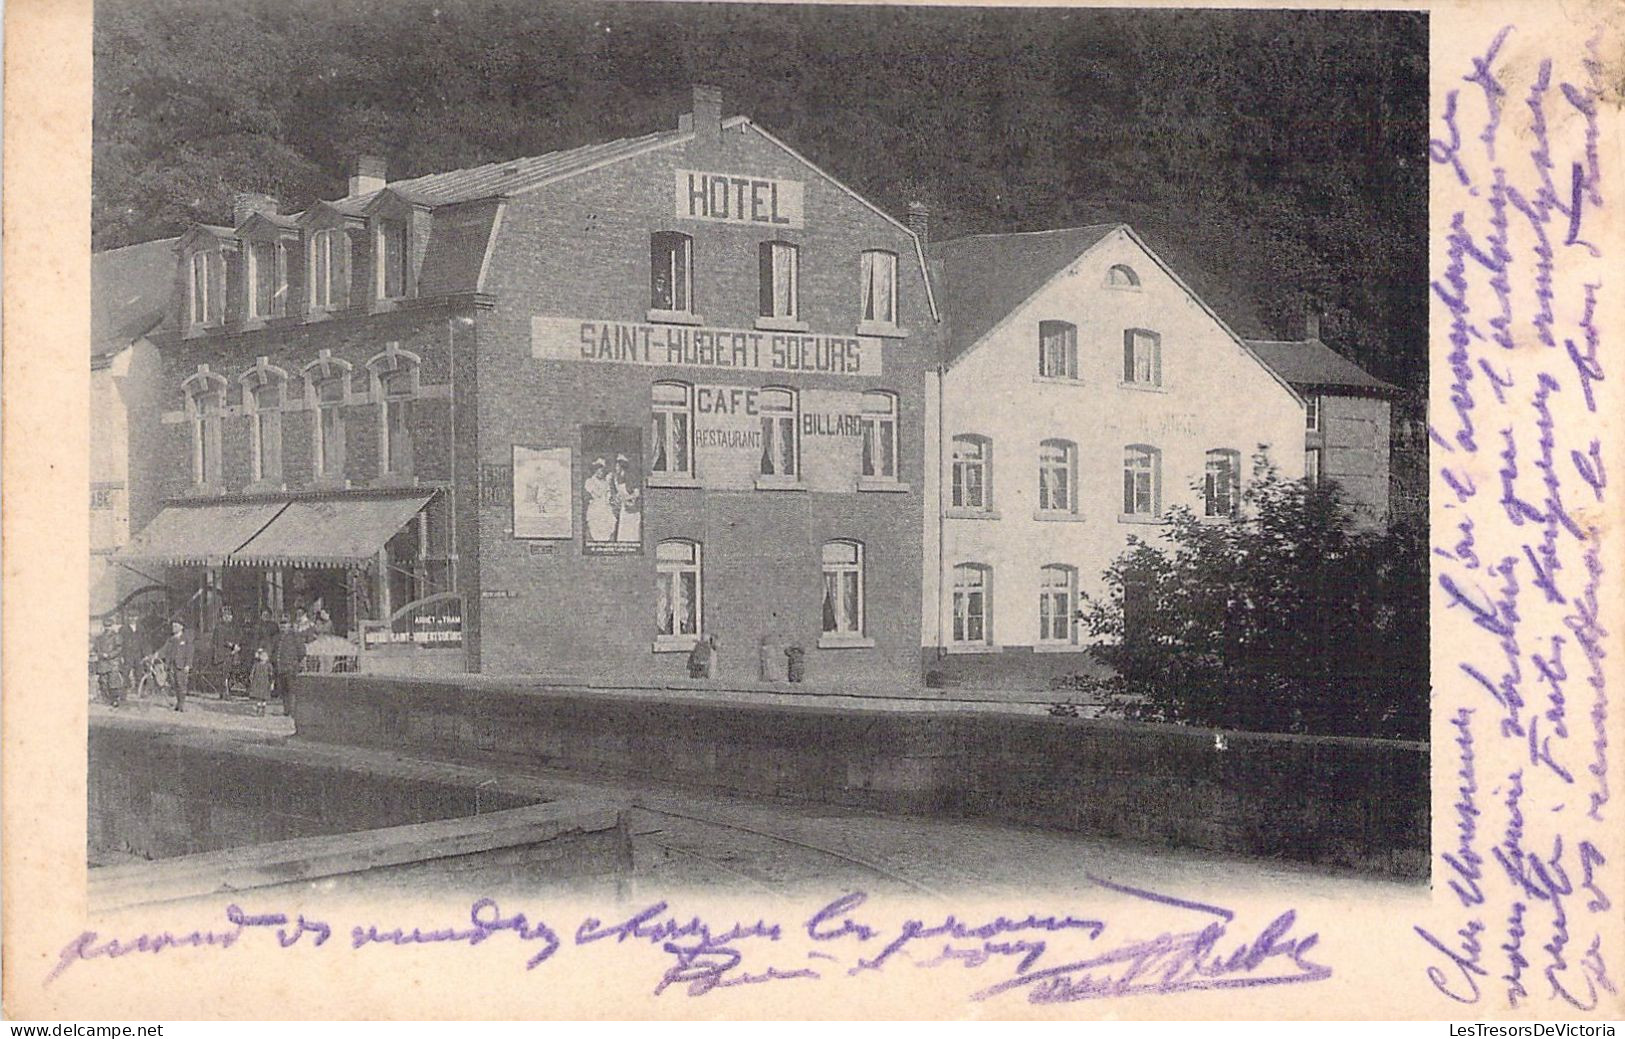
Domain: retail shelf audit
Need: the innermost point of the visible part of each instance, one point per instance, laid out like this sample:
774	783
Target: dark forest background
1277	160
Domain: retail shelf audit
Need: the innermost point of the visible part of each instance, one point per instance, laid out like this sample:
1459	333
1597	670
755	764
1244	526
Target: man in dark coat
180	653
109	661
287	659
131	650
225	649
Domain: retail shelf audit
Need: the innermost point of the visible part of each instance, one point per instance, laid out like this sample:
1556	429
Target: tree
1288	619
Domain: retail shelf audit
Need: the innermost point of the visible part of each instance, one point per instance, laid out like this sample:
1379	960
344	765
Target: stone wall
1333	801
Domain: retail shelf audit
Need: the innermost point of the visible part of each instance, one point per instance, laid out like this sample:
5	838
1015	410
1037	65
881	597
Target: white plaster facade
1213	394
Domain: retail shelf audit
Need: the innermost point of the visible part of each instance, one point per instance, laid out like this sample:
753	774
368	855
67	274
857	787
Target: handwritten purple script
1047	957
1518	560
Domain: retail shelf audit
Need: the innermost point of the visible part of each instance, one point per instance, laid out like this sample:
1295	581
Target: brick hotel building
565	414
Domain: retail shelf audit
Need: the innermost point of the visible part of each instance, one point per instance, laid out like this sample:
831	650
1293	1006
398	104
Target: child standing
260	678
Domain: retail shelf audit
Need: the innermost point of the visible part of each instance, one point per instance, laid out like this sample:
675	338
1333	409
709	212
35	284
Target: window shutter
764	301
342	260
279	296
236	282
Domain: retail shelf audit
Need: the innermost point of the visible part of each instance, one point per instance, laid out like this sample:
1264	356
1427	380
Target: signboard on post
612	490
543	505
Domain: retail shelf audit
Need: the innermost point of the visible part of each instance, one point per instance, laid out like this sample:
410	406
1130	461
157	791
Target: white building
1086	390
130	290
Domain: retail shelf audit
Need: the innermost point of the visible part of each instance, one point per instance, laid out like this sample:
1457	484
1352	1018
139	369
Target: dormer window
206	297
329	270
267	271
392	259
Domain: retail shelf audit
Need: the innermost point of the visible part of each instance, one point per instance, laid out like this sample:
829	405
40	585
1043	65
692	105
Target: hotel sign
735	198
631	342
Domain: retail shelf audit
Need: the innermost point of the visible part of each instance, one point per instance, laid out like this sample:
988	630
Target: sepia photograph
795	502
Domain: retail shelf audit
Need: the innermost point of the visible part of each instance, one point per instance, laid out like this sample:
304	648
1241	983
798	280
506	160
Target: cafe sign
734	198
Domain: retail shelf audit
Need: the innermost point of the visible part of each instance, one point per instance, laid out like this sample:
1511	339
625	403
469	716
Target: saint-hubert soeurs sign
736	198
630	342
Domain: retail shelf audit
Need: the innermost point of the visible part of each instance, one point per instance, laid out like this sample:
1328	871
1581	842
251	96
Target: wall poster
543	506
612	482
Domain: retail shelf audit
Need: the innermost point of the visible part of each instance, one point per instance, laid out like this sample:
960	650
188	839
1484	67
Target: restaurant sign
736	198
631	342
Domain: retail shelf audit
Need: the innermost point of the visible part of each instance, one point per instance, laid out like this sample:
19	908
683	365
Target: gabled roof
515	175
129	293
987	276
1311	364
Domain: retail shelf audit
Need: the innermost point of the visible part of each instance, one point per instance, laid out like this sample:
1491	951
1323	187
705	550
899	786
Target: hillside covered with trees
1277	159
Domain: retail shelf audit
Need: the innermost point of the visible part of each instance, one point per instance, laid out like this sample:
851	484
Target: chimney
1311	326
706	119
919	221
246	203
371	174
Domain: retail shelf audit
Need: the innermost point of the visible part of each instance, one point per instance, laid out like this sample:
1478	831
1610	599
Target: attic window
206	295
267	280
392	259
1122	276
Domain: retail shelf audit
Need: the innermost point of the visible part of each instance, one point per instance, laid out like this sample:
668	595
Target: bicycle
154	680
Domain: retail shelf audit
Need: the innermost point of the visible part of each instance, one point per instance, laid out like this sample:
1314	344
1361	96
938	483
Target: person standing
109	662
179	653
225	645
260	679
600	512
287	658
131	650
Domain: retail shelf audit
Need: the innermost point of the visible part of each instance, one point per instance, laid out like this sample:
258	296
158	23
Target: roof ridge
1042	231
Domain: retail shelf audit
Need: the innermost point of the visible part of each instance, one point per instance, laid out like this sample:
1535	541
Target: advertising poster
542	504
612	482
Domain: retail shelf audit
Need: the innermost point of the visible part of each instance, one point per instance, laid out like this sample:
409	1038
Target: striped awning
199	535
329	532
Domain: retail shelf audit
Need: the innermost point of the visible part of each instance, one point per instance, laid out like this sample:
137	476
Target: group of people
258	657
614	502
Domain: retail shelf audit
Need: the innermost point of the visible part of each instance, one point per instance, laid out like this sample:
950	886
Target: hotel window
1311	466
392	259
1057	592
972	475
1057	476
1141	479
671	272
206	297
971	605
1142	357
677	590
330	394
267	280
1311	414
265	429
673	434
843	589
879	275
780	291
879	435
395	392
1122	276
329	278
205	402
1221	484
1057	350
781	447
